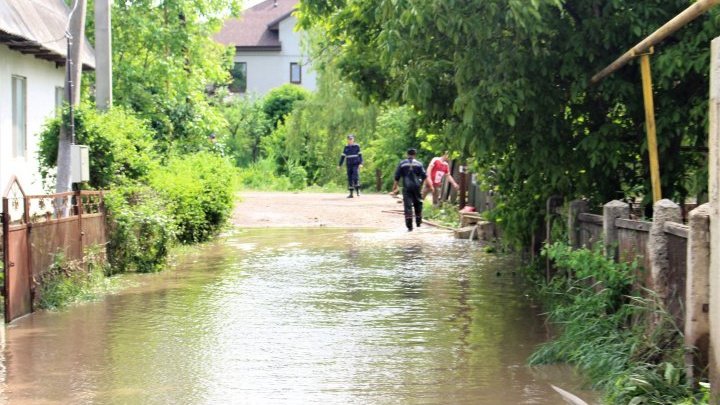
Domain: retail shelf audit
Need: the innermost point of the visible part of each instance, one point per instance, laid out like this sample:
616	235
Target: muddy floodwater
321	316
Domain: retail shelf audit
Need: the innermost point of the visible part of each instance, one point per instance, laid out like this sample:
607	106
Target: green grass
67	282
622	340
446	214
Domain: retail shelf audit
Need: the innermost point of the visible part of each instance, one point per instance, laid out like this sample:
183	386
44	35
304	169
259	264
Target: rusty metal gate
38	228
16	255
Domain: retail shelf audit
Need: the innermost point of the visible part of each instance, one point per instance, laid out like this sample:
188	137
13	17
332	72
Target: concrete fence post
577	207
697	293
657	247
611	211
714	198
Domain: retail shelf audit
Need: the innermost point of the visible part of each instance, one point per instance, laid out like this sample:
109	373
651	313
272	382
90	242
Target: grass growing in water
446	214
67	282
607	331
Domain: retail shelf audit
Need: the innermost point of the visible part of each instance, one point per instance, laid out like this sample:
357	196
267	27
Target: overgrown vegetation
446	214
505	83
154	151
200	193
141	229
67	282
622	341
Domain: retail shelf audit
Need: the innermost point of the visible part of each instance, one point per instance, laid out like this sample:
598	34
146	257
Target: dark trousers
412	200
353	175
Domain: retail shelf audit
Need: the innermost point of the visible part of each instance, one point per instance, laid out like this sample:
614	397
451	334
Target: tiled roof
37	27
257	27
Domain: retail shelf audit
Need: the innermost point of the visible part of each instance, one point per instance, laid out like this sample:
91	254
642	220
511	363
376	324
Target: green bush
120	144
247	125
298	177
141	229
261	176
200	190
280	101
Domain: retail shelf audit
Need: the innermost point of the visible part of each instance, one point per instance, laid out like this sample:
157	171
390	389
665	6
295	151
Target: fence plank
633	224
676	229
591	218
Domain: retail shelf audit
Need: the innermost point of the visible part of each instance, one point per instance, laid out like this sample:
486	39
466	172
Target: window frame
20	138
299	71
244	88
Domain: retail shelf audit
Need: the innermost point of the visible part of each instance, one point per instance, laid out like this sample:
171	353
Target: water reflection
296	316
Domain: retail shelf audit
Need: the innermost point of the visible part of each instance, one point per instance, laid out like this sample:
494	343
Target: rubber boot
357	191
418	221
351	194
408	223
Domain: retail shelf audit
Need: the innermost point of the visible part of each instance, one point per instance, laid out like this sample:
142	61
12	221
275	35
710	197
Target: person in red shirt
437	170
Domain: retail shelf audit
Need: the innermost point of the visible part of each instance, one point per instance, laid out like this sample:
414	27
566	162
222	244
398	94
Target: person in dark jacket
413	176
353	161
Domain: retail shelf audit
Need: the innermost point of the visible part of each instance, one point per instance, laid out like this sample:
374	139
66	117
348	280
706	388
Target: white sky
250	3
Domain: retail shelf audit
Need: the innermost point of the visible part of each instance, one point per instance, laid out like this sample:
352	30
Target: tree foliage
164	58
121	148
506	83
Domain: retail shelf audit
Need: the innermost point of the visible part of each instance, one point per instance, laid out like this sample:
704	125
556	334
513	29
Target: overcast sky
250	3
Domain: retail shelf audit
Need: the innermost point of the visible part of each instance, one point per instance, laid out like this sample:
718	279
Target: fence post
714	196
611	211
463	187
657	248
6	259
697	292
577	207
81	233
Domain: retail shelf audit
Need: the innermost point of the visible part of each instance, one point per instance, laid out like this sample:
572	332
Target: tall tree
164	58
507	81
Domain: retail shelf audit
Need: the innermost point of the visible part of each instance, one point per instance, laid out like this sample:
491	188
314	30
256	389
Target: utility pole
103	54
714	192
73	69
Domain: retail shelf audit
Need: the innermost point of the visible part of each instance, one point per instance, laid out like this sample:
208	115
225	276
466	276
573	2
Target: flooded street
301	316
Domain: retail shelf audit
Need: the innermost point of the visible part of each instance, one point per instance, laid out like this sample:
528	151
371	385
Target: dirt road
272	209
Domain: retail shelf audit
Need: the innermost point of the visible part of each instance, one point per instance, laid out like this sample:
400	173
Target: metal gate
39	228
16	255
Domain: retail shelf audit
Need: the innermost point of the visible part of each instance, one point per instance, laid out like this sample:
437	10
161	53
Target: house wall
41	78
269	69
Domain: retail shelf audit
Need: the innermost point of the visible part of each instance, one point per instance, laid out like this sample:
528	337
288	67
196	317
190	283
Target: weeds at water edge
71	281
606	330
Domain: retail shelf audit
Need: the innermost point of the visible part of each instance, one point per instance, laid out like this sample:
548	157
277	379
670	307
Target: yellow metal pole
650	126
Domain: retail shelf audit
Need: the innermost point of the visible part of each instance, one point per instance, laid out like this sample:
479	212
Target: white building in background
32	77
267	48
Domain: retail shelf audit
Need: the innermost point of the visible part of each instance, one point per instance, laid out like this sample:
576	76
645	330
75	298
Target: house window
295	73
59	99
239	78
19	116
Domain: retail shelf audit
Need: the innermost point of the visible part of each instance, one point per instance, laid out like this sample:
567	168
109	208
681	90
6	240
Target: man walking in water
437	169
413	176
353	161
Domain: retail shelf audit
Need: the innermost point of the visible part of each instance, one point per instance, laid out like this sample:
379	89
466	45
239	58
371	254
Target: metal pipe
682	19
650	127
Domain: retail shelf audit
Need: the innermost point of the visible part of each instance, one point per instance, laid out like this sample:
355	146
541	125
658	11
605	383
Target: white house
32	76
267	48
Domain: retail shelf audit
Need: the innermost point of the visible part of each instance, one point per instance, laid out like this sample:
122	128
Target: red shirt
438	170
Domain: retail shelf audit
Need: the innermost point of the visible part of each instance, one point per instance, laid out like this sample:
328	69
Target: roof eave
274	24
263	48
28	47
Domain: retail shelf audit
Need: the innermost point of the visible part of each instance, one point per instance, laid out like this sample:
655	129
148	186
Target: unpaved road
273	209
